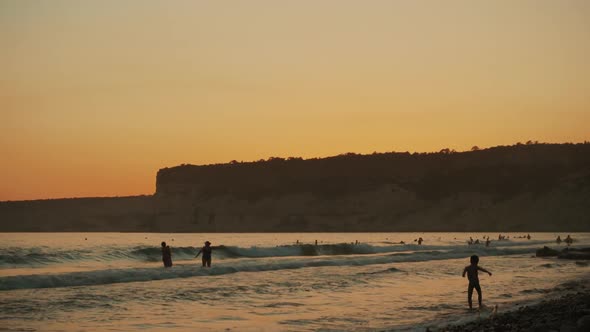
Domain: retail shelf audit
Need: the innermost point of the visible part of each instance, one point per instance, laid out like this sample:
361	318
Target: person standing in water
206	251
558	240
166	255
569	240
471	271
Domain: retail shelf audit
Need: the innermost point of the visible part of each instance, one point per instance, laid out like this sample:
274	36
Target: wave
154	254
40	256
111	276
306	250
389	270
34	256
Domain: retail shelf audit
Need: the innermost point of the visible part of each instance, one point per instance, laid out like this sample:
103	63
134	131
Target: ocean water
267	282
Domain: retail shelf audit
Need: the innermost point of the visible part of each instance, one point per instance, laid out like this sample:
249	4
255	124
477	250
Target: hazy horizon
95	97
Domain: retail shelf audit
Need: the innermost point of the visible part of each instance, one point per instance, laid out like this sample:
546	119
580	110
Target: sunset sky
96	96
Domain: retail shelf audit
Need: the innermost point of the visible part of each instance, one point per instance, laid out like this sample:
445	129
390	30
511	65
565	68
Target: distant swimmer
206	251
166	255
471	271
488	242
420	240
558	240
569	240
528	236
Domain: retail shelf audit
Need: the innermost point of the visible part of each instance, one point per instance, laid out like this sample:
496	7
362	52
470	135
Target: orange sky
95	97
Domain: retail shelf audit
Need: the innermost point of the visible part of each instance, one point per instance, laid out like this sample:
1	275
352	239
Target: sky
96	96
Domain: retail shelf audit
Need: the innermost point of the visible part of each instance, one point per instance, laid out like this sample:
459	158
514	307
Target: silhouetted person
476	241
569	240
166	255
488	242
316	242
558	240
470	242
471	271
206	251
528	236
420	240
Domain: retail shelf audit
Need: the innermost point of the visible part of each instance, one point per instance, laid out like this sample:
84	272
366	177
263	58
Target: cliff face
538	187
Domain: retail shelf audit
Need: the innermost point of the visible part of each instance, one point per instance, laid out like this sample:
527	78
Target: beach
569	312
271	281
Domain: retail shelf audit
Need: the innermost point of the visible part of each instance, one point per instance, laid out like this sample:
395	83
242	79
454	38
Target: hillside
533	187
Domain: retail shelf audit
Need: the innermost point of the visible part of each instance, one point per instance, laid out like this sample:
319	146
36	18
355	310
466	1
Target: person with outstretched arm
471	271
206	251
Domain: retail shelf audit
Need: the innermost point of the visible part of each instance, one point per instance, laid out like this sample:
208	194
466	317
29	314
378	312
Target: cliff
533	187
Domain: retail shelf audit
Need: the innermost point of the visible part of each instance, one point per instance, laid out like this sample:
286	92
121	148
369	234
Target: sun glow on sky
96	96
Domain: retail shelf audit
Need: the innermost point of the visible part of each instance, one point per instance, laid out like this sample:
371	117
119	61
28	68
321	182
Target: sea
270	281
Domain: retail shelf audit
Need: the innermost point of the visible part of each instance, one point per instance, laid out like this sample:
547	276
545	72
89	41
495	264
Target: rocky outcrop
566	313
547	252
567	253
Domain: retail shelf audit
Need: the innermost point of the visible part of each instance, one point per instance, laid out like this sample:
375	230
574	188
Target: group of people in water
206	250
568	240
500	238
471	271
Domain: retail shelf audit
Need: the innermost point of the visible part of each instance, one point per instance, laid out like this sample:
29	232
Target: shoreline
569	311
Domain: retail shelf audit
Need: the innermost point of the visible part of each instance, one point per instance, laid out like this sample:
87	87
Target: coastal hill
524	187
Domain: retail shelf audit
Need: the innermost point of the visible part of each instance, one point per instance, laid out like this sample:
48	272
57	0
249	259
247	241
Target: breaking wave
123	275
42	256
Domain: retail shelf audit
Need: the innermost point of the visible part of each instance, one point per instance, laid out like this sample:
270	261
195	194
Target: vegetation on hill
501	172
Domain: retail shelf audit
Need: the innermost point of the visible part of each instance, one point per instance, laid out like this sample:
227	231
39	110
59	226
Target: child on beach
471	271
